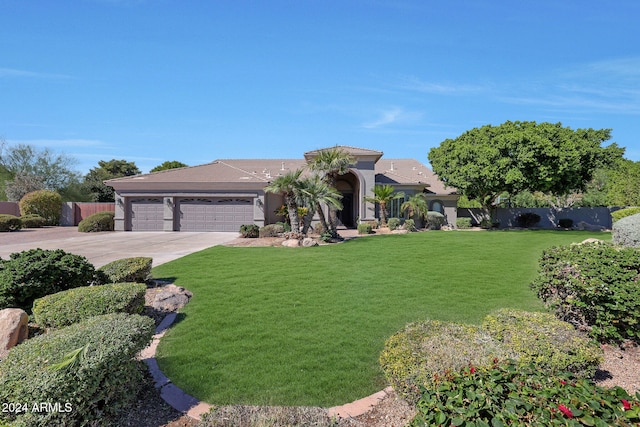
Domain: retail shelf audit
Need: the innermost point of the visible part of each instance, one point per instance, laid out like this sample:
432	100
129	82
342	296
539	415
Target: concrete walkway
102	248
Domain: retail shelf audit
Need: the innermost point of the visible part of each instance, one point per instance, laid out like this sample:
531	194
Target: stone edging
194	408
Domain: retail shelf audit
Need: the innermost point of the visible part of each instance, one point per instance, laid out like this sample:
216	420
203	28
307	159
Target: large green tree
94	180
169	164
485	162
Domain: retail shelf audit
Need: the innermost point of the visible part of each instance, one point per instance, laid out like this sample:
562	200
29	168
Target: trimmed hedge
365	228
271	230
249	231
32	221
88	368
435	220
541	339
10	223
626	231
463	223
394	223
136	269
45	203
74	305
622	213
99	221
35	273
594	287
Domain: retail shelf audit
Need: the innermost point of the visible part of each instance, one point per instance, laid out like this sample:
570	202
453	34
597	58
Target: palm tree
416	205
331	163
312	193
382	195
287	185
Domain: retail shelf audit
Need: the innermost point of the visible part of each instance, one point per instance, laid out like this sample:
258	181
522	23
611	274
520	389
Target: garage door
147	214
217	214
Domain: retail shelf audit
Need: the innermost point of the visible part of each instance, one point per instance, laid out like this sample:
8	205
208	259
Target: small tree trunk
323	219
306	221
383	214
292	206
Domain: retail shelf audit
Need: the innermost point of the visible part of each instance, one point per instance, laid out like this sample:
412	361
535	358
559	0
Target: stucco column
258	210
169	210
118	219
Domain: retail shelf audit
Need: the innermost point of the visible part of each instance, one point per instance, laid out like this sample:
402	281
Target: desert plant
409	225
508	394
527	219
35	273
565	223
463	223
619	214
541	339
10	223
594	287
73	305
136	269
394	223
271	230
382	196
88	368
435	220
423	351
99	221
626	231
32	221
250	231
45	203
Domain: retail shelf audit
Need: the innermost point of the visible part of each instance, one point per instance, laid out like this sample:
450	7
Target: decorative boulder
171	298
309	242
13	329
291	243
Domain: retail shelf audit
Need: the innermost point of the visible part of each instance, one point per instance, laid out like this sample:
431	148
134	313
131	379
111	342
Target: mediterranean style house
225	194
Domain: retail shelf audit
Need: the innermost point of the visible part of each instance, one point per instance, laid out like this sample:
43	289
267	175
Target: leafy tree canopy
94	180
169	164
484	162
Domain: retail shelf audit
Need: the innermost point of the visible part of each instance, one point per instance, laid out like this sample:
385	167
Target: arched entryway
349	186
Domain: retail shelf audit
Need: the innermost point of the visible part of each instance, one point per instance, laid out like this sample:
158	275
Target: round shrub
422	352
463	223
365	228
88	368
409	225
435	220
37	272
137	269
249	231
622	213
10	223
541	339
44	203
594	287
99	221
527	219
393	223
626	231
73	305
511	395
271	230
32	221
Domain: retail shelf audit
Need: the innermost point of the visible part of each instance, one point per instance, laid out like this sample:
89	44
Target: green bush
393	223
32	221
35	273
99	221
594	287
137	269
10	223
409	225
507	394
435	220
45	203
626	231
249	231
420	353
541	339
486	223
565	223
619	214
271	230
88	368
365	228
74	305
527	219
463	223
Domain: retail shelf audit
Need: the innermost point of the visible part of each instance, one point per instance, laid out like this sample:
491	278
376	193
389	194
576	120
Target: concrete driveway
102	248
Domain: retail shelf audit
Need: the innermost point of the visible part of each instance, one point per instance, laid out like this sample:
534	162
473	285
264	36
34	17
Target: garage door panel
147	214
215	214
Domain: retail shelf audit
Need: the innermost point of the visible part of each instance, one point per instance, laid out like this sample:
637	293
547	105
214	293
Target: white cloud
16	73
386	118
59	143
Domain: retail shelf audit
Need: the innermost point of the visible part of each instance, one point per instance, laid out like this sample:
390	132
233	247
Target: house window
394	208
437	206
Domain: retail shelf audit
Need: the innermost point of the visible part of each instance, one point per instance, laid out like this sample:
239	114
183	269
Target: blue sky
194	81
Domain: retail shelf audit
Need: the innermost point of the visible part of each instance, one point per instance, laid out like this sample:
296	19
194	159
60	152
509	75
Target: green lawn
282	326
